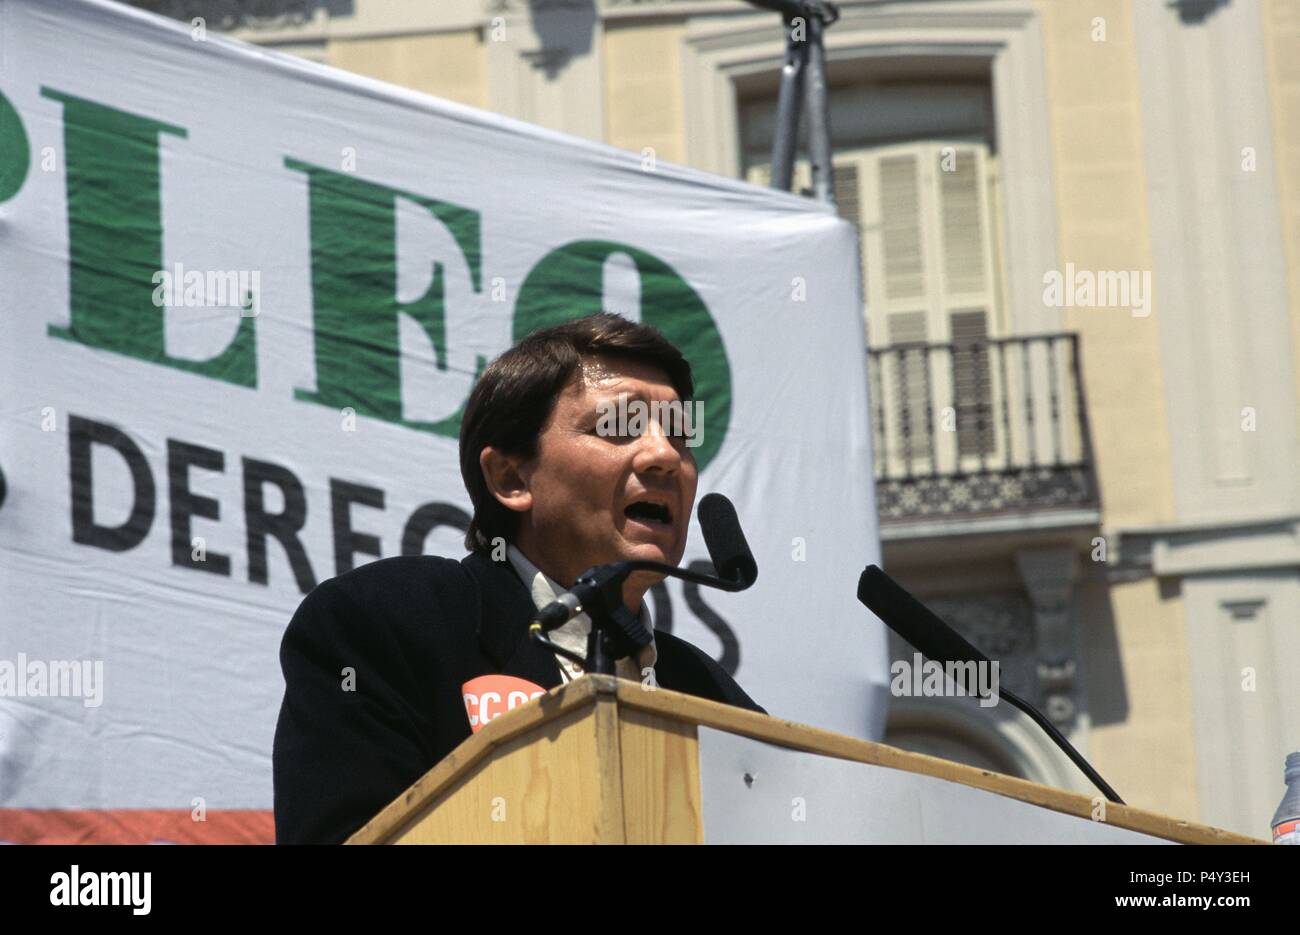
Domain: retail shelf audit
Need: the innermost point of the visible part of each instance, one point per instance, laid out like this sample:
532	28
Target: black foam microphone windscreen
725	540
912	620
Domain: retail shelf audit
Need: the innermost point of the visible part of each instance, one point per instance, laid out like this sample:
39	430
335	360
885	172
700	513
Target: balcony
980	429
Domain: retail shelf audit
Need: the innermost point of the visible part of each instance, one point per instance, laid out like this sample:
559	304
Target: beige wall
643	88
1102	222
1281	23
448	65
1135	661
1133	636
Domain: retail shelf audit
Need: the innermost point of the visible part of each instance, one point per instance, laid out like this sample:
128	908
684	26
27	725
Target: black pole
788	109
803	82
819	116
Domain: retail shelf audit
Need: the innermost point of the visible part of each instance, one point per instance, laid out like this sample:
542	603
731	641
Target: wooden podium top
615	746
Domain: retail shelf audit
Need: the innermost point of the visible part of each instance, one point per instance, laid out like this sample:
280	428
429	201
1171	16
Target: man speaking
374	660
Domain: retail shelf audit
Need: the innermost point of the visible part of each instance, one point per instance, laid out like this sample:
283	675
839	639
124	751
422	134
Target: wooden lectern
605	760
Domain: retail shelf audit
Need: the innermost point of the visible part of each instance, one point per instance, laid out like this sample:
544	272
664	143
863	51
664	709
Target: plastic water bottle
1286	820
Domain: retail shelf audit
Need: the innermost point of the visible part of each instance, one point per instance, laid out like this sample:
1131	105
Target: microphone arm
603	584
1059	739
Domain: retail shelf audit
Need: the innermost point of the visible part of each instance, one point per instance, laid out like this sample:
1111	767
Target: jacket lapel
505	609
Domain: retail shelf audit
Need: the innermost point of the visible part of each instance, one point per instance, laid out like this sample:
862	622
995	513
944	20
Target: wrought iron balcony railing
980	427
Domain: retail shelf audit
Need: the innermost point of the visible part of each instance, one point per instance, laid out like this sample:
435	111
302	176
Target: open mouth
646	511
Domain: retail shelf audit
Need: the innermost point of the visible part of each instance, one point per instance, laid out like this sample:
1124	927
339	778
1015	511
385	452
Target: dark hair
515	395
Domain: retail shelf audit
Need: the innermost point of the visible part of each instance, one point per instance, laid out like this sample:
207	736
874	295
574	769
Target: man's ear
505	480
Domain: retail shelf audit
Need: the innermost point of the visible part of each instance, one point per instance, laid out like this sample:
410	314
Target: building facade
1080	232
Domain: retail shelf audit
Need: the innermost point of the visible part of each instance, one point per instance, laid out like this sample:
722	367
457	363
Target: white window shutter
963	221
973	381
846	179
901	226
907	374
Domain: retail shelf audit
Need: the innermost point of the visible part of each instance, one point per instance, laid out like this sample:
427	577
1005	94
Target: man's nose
656	451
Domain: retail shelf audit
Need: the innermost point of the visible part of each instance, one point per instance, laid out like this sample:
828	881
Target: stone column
1049	576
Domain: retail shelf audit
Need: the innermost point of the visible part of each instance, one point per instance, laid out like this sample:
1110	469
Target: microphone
725	541
559	612
913	621
922	628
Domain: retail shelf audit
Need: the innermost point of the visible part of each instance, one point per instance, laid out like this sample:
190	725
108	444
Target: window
926	219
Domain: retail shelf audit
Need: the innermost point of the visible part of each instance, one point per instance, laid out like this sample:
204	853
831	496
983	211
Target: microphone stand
615	631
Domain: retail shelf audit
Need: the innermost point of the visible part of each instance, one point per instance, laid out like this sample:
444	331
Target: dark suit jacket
413	629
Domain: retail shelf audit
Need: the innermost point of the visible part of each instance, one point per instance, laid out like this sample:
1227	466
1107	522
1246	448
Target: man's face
599	497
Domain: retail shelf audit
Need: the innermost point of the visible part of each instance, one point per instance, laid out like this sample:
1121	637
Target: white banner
245	298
